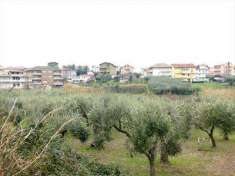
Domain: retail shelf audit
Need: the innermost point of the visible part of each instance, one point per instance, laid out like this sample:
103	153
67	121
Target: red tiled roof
183	65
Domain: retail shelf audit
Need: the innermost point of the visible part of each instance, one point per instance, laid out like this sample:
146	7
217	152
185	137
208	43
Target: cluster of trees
165	85
153	126
32	141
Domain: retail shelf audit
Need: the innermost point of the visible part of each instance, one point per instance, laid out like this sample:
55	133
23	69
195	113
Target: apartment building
68	73
160	69
126	69
13	77
201	74
45	76
126	72
186	72
227	69
108	68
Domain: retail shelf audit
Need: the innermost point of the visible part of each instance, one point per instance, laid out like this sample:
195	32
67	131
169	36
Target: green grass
191	162
214	85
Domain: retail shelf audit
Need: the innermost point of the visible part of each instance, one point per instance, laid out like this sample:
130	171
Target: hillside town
53	75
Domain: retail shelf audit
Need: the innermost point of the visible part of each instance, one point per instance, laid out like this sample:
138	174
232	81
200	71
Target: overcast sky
137	32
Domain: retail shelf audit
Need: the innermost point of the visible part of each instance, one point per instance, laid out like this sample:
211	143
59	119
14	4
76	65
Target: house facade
108	68
186	72
95	68
223	70
202	71
126	73
160	69
84	78
13	77
68	73
126	69
43	76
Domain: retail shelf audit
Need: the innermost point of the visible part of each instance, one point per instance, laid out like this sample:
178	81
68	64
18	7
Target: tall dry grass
225	93
70	88
13	137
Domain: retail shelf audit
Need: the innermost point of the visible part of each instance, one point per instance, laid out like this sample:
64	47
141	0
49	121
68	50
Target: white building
160	69
95	68
68	73
85	78
13	77
202	71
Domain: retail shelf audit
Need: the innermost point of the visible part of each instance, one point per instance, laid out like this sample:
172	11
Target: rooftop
183	65
160	65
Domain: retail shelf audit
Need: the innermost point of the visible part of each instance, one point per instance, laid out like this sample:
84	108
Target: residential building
84	78
44	76
68	73
202	72
126	72
126	69
13	77
160	69
95	68
211	71
186	72
224	70
108	68
146	72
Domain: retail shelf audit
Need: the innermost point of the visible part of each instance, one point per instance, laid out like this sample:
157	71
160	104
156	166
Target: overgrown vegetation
42	121
166	85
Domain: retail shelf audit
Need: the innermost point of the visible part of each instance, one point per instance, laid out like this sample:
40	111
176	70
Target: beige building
126	69
160	69
43	76
13	77
126	73
227	69
108	68
68	73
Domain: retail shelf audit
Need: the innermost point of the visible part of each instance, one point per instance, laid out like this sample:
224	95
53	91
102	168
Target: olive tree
207	117
150	126
100	121
145	125
227	118
181	115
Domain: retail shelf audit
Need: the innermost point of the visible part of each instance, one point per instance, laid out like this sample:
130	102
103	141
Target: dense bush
211	113
152	125
129	88
230	80
34	145
166	85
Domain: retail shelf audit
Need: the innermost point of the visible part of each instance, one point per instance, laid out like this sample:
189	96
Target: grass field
195	160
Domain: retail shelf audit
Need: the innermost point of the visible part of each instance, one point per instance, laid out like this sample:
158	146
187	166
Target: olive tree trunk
151	155
226	136
211	135
164	154
152	170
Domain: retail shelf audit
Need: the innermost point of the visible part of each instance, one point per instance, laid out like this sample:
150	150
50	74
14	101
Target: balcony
57	73
58	78
36	73
36	78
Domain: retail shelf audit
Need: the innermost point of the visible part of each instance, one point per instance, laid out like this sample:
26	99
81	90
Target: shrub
166	85
129	88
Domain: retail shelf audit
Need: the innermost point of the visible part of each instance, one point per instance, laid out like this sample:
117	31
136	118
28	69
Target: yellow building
186	72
